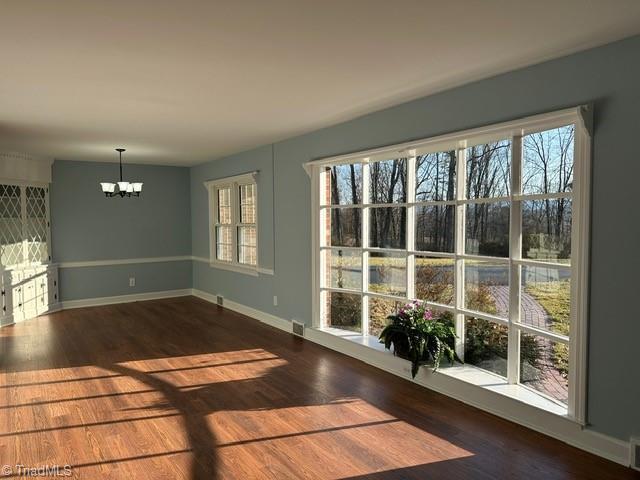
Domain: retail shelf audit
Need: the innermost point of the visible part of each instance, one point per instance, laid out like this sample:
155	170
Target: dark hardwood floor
180	388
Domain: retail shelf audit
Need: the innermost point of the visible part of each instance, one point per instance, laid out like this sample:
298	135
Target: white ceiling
181	82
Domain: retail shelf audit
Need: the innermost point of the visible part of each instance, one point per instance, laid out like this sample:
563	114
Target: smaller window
247	227
234	229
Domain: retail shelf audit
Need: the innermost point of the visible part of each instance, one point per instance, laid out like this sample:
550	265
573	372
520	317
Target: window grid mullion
515	249
320	175
459	238
364	239
235	219
410	227
23	214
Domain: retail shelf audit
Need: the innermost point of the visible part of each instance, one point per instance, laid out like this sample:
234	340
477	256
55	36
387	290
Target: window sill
234	267
466	373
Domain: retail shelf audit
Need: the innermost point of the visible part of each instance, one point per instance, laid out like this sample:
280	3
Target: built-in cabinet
28	279
28	292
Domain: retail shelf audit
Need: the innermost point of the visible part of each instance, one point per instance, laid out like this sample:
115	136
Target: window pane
345	182
486	287
379	310
436	177
224	215
546	230
487	229
388	181
247	194
486	345
435	226
489	170
224	196
388	273
247	214
343	269
544	366
247	204
388	227
546	298
547	161
223	235
247	255
345	226
247	236
224	242
434	279
223	252
342	310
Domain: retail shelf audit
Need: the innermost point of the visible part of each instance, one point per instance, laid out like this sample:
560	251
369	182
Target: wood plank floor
180	388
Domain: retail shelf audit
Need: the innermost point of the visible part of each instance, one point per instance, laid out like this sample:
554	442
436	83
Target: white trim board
135	297
124	261
133	261
231	267
261	316
533	418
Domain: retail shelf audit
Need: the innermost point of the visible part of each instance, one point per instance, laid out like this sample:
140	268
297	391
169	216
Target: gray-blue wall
608	76
87	226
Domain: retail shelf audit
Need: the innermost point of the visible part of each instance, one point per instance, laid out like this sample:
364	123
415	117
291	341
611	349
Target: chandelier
124	188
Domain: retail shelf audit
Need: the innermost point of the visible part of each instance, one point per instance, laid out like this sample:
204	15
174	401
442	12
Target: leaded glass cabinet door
36	227
11	225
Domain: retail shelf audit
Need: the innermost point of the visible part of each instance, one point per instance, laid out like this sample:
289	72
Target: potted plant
418	335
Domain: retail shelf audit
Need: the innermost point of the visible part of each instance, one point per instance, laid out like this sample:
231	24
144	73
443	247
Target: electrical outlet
275	300
132	281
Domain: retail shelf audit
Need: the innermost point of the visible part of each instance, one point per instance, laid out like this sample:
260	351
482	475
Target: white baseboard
549	424
135	297
267	318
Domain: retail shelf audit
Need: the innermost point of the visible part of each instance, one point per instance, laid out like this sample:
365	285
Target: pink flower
428	314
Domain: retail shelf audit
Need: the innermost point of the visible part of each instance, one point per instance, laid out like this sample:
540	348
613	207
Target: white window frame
234	184
581	117
23	214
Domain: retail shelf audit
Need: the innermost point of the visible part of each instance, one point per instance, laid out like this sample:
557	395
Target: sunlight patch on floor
335	430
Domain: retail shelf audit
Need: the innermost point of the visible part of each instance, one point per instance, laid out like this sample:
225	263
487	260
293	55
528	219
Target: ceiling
182	82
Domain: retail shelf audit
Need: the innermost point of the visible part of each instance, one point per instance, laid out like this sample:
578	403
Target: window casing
233	220
24	224
488	226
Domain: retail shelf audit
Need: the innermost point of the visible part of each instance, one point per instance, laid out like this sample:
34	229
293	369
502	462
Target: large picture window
486	226
233	204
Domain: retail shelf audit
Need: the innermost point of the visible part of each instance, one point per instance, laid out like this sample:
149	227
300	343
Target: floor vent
298	328
220	300
635	453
